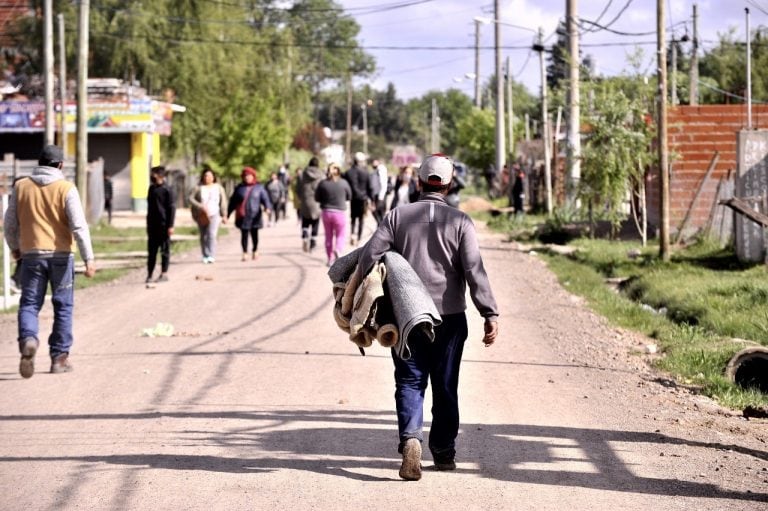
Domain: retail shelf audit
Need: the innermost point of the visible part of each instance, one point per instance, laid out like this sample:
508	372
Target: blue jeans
36	273
439	362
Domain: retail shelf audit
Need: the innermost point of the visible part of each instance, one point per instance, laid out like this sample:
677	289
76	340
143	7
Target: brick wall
695	133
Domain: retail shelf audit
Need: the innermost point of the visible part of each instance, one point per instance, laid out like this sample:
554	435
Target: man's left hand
90	269
491	332
170	231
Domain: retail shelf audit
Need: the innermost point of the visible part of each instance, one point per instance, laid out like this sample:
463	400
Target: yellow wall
155	149
140	156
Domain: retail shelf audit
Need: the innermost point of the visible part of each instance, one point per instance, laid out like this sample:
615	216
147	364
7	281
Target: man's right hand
90	269
491	331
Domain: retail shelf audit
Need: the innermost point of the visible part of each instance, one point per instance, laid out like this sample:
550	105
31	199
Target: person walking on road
310	209
359	180
43	219
296	198
277	194
379	189
517	195
441	245
109	192
332	194
161	214
405	189
247	201
208	202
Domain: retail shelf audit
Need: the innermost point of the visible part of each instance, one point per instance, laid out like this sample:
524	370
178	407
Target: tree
208	55
617	148
725	65
475	138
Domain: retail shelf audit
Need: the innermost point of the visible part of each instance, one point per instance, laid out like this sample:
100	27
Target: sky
415	70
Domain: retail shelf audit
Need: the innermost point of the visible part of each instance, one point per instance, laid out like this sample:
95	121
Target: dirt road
259	402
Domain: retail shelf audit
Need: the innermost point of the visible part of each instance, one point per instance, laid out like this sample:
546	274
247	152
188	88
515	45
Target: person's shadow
358	441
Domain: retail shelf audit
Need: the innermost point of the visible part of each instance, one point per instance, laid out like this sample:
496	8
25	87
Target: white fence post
6	264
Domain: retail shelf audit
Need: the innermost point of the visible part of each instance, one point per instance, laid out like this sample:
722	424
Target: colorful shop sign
134	116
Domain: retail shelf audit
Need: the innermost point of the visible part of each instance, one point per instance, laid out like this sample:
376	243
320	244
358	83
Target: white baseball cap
436	169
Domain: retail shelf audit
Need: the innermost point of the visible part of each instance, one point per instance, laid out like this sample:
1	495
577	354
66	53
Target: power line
617	32
369	9
615	18
605	9
757	6
300	45
726	93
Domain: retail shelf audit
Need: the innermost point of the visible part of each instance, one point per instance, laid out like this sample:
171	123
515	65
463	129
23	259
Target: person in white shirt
381	179
209	209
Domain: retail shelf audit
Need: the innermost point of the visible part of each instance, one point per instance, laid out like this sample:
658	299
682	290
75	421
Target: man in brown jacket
44	215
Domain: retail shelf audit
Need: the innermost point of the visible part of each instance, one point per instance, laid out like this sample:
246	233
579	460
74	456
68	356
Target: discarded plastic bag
159	330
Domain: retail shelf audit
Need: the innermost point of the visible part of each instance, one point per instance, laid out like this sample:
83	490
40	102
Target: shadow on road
343	443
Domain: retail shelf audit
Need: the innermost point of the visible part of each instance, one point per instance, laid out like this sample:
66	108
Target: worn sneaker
305	244
245	256
28	349
60	364
162	278
410	470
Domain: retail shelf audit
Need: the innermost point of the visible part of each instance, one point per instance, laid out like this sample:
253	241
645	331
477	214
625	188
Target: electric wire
757	6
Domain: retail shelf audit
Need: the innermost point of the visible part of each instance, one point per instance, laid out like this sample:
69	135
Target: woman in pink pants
332	194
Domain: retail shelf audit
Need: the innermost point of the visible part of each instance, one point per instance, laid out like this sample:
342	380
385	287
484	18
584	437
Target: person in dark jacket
247	201
278	194
360	183
161	214
310	209
517	197
108	194
457	185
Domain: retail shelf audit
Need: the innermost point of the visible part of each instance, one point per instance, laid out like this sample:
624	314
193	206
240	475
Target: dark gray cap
52	153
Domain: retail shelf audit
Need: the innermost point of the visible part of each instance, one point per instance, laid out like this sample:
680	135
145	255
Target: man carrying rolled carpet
440	243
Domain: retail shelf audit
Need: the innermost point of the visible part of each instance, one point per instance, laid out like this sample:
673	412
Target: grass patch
693	306
109	240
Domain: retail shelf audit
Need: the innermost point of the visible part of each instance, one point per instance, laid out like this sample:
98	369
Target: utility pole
435	136
62	86
662	122
364	106
539	47
574	115
693	98
510	114
500	152
81	170
673	84
477	63
48	74
749	72
348	145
